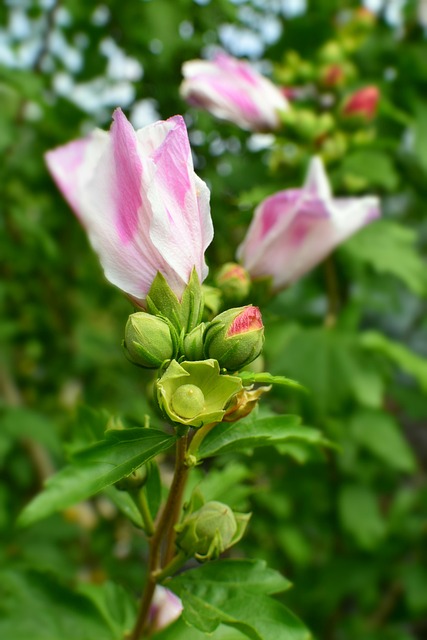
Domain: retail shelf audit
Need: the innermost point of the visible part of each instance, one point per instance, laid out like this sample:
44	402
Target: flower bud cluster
193	357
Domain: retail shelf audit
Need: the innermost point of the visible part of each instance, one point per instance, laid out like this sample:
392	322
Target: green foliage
235	593
53	611
98	467
259	432
389	247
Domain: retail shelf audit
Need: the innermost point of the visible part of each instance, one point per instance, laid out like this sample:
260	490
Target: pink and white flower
165	608
142	205
293	230
232	90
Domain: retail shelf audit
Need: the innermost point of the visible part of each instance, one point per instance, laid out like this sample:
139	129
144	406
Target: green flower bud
195	393
149	340
210	530
193	343
235	337
234	282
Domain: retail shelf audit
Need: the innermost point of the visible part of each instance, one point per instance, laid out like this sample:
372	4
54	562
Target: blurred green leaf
374	167
381	435
408	361
360	515
390	248
35	606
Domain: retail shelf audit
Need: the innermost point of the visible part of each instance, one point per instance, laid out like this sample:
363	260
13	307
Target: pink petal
128	170
181	226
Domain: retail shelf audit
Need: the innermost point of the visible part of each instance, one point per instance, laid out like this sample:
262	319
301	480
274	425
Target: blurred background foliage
348	527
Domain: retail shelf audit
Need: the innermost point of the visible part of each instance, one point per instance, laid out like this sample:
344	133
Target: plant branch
164	529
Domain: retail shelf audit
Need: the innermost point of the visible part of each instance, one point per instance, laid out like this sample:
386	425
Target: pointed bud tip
249	320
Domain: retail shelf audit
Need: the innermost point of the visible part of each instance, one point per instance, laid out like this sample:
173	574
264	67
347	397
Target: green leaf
97	467
179	630
405	359
248	377
420	134
380	433
372	168
250	433
35	606
236	593
390	248
256	576
330	363
125	504
360	515
115	605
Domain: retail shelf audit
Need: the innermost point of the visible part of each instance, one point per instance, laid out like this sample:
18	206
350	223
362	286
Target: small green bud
193	343
234	282
133	481
210	530
195	393
235	337
149	340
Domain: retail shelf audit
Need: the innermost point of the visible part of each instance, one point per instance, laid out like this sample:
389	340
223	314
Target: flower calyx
195	393
210	530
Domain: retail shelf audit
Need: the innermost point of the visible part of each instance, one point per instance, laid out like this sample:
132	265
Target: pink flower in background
293	230
142	205
165	608
362	103
232	90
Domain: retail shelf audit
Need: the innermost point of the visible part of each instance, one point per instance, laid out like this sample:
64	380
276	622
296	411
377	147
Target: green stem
198	438
333	293
164	529
172	567
140	499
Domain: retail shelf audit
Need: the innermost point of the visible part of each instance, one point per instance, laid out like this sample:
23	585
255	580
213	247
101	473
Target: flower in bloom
362	103
232	90
165	608
142	205
293	230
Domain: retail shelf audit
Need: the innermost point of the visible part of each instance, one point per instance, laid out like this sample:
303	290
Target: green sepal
193	343
248	378
192	303
162	301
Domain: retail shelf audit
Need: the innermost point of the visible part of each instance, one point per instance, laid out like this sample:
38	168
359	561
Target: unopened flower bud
210	530
133	481
193	343
332	75
235	337
149	340
165	608
244	403
362	103
234	282
195	393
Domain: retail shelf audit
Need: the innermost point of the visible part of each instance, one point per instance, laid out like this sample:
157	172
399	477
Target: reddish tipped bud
333	75
235	337
234	282
362	103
